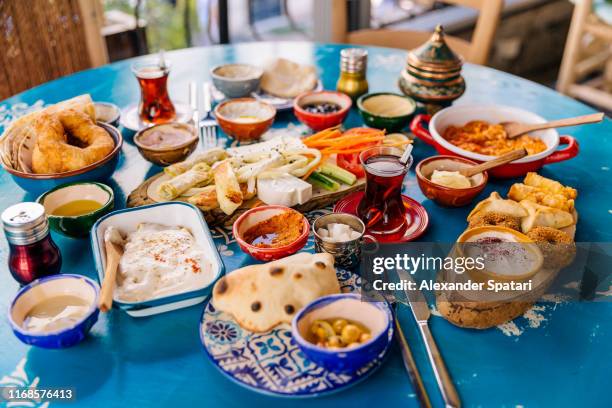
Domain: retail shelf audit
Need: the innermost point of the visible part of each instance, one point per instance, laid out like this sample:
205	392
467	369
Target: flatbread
497	204
287	79
261	296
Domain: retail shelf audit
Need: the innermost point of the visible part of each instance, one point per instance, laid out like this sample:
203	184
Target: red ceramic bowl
320	121
245	119
430	130
259	214
447	196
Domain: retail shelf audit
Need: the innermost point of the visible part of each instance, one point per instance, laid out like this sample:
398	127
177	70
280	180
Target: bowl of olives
342	333
322	109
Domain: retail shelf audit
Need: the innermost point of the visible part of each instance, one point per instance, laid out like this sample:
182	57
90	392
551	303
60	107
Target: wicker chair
45	39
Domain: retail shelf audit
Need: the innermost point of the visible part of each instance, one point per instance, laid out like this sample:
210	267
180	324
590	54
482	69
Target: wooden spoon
498	161
514	129
114	251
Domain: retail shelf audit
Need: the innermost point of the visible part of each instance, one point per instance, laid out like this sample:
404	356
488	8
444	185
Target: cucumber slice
338	173
320	180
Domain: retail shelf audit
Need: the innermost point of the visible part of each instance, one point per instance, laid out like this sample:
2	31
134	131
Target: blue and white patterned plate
271	363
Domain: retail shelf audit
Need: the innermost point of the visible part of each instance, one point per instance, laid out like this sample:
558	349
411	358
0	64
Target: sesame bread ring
558	248
68	140
495	218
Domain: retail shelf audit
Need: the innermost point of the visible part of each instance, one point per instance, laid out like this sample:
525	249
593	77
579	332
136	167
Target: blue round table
558	355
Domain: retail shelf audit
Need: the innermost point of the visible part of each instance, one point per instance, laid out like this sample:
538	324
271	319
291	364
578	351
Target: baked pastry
480	315
557	247
495	203
541	215
495	218
520	192
68	140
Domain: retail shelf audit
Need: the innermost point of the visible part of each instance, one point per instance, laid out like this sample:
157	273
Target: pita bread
495	203
543	216
287	79
261	296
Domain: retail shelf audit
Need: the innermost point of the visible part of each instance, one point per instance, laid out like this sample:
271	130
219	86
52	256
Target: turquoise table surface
558	354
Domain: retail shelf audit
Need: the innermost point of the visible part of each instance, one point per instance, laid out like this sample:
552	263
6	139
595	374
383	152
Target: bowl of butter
440	180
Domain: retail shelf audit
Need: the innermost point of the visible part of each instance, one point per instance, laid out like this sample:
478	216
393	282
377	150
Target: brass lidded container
353	69
432	74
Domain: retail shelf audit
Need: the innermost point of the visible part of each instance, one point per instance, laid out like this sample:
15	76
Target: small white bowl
171	214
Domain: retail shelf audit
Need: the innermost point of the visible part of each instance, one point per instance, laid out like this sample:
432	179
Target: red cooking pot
430	128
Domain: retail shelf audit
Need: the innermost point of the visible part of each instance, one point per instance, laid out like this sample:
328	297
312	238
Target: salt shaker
32	252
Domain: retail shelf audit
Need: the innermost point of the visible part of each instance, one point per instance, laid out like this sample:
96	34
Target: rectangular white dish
171	214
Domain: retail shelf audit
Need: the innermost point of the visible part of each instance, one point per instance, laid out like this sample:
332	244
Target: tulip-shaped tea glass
382	209
155	105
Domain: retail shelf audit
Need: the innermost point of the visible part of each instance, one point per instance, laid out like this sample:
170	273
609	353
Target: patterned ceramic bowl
76	226
42	289
376	316
447	196
259	214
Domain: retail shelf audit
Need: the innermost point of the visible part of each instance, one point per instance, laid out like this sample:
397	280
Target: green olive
335	341
350	333
338	325
322	329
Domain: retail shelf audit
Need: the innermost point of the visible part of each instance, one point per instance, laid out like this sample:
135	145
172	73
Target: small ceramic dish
346	254
259	214
108	113
76	226
98	171
171	214
376	316
386	110
170	153
236	80
245	119
42	289
447	196
320	121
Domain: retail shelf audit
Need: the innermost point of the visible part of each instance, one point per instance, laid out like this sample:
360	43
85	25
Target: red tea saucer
417	219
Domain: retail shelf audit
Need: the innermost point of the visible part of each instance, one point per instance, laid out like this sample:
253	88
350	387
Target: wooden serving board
320	199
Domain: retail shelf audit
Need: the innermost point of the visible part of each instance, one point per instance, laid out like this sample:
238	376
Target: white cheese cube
284	190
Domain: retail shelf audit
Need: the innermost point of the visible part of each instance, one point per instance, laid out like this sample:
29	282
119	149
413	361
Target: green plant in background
170	23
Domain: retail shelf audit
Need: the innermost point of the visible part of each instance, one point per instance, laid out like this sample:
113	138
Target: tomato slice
350	162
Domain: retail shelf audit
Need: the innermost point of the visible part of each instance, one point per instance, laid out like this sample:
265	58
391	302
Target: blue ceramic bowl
99	171
236	80
376	316
42	289
174	213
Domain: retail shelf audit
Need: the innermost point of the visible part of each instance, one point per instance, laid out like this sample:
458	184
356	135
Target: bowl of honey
73	208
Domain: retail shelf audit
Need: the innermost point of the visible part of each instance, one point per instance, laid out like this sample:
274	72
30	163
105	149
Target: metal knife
421	312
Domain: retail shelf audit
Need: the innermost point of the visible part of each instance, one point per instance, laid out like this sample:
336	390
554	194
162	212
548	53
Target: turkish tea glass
382	208
155	105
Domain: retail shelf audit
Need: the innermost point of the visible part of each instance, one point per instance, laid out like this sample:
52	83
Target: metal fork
208	124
